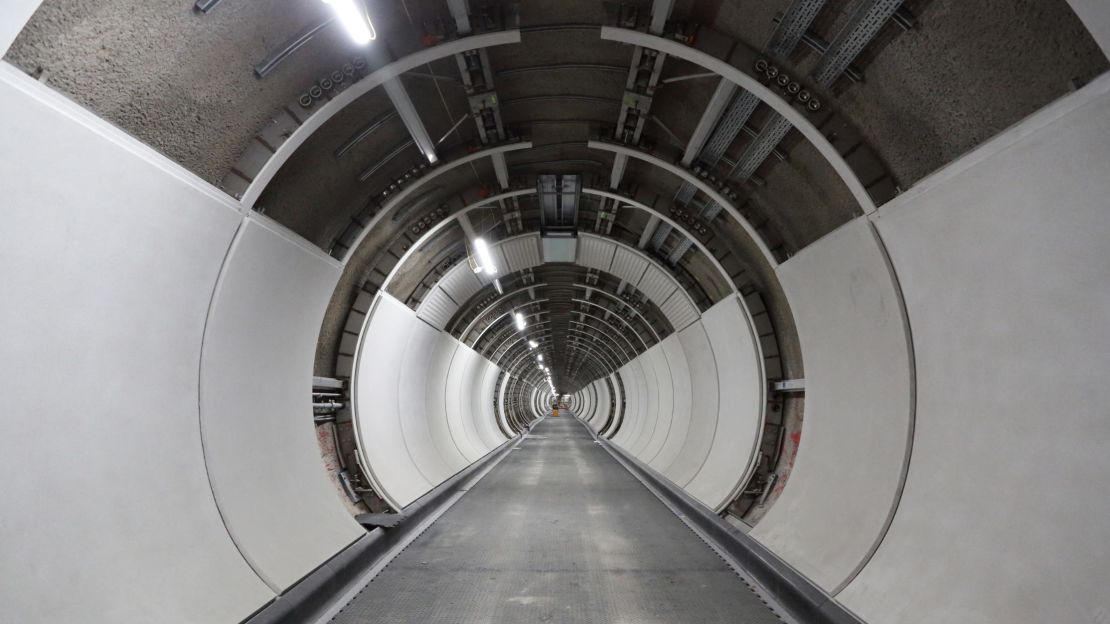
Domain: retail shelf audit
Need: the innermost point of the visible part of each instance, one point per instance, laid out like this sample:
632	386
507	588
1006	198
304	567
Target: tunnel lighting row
485	260
485	263
352	14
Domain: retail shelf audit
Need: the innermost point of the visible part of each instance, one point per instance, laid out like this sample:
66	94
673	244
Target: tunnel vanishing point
572	311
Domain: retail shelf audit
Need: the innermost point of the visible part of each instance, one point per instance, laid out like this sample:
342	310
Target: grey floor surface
557	532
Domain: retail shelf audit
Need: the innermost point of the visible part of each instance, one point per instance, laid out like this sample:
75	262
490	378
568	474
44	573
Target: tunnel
479	311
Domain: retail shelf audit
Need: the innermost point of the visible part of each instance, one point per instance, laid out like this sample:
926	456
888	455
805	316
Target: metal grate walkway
559	532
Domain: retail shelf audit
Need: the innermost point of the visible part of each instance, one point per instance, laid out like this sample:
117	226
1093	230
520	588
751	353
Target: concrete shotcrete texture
180	81
969	71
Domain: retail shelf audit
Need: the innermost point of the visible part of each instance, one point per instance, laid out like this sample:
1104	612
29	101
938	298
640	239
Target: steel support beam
620	162
411	118
649	230
660	13
349	95
467	226
438	227
501	170
767	95
700	184
461	13
405	193
721	97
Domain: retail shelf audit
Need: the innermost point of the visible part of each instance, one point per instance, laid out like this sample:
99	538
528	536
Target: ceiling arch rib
628	263
493	305
756	88
577	310
518	343
464	336
533	376
356	232
689	176
345	98
588	190
611	356
680	227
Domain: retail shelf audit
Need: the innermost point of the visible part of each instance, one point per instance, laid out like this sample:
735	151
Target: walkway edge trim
320	595
787	591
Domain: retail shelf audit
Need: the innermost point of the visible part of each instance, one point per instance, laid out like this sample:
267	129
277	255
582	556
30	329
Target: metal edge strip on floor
789	594
327	589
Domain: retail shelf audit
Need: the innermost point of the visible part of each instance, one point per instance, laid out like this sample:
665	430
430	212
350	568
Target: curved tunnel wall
694	404
859	409
158	352
954	342
157	304
1002	263
424	403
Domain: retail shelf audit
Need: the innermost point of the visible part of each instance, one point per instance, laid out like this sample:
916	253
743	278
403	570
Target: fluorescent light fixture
533	344
539	358
485	260
352	14
519	318
497	285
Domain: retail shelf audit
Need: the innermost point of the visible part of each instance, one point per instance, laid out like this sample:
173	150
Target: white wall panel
855	442
592	407
656	284
109	254
628	265
595	252
460	282
437	308
502	401
679	310
376	385
417	371
443	355
1096	17
537	412
668	378
256	405
13	17
1002	258
656	404
424	403
485	416
459	406
593	410
741	403
681	385
704	397
638	417
604	408
521	252
631	375
619	394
